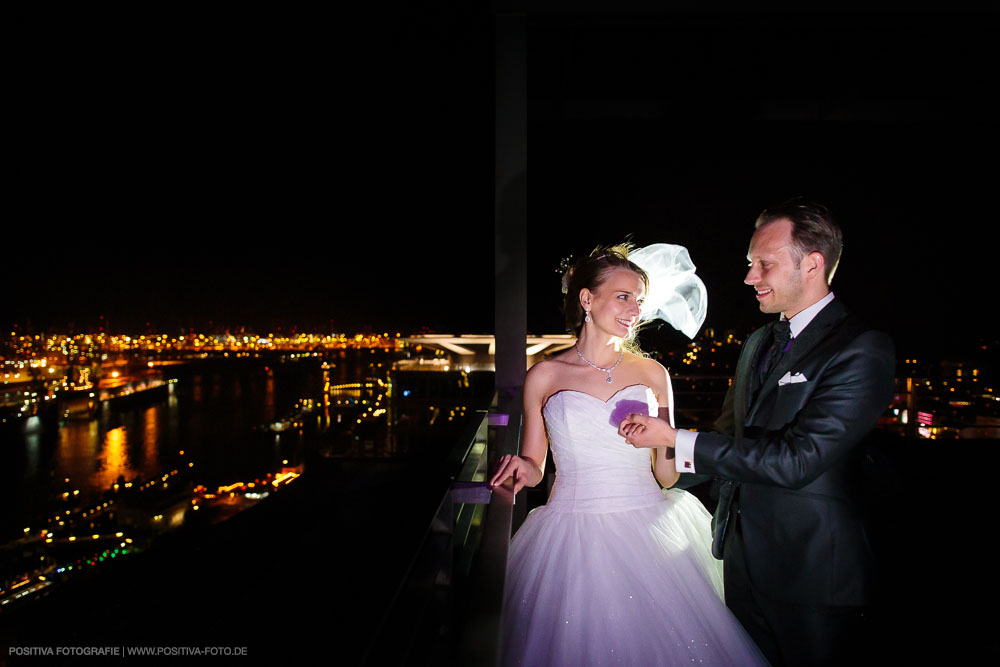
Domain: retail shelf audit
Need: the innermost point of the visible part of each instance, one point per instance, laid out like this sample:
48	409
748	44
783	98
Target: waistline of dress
603	496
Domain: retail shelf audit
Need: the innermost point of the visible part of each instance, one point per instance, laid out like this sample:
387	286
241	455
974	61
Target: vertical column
482	631
510	215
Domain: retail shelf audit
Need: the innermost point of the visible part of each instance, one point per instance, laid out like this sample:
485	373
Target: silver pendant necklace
621	356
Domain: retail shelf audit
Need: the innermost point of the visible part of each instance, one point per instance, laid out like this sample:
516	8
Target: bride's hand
512	466
643	431
627	429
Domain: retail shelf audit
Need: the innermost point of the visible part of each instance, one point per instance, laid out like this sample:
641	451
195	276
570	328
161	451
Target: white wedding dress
614	570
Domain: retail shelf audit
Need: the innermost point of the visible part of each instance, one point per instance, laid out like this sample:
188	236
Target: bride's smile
615	305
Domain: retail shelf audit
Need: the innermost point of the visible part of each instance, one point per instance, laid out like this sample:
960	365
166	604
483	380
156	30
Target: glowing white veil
675	295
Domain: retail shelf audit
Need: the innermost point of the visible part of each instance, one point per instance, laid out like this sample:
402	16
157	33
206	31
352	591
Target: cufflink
687	464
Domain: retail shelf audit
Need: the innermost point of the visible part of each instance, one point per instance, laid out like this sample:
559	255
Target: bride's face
614	304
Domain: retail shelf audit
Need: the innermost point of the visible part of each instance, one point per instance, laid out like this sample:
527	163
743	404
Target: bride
613	570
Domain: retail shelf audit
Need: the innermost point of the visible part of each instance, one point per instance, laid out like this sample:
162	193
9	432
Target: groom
789	525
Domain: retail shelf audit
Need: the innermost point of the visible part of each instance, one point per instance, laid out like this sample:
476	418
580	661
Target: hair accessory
675	295
566	269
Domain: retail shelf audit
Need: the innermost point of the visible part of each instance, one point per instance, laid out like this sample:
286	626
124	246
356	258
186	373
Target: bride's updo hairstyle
591	272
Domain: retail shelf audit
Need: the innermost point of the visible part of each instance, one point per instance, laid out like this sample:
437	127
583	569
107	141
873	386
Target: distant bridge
475	344
479	350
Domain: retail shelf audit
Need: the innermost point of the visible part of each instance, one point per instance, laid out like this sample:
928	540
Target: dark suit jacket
791	459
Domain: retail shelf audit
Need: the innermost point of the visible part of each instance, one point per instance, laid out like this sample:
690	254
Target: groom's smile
775	273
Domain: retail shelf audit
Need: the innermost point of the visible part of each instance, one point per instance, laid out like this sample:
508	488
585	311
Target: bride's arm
664	468
528	468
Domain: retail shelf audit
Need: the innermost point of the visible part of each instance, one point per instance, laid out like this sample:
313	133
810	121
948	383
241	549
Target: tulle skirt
629	587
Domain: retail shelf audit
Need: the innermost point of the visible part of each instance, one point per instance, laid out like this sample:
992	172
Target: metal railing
448	607
480	633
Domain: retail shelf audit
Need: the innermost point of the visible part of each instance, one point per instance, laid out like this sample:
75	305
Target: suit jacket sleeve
850	392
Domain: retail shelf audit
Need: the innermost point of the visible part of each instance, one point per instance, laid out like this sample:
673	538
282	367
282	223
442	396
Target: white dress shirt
684	445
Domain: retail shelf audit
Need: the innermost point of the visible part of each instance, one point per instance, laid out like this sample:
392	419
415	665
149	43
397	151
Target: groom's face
775	271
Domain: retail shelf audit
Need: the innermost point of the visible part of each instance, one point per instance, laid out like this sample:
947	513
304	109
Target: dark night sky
278	170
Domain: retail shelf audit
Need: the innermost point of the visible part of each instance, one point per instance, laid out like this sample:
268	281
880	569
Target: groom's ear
815	265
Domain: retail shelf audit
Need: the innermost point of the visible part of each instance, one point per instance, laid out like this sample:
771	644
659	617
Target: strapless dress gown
614	570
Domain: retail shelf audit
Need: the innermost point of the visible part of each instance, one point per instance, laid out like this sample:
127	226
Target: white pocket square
788	378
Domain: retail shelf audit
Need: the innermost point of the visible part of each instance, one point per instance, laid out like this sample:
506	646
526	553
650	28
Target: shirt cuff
684	451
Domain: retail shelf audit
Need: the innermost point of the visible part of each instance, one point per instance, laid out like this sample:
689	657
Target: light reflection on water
32	446
214	414
210	414
77	449
112	460
93	457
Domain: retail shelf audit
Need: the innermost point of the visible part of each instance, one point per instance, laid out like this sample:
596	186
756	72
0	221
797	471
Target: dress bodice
596	471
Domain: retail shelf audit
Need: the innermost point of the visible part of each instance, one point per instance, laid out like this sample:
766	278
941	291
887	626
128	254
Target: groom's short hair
813	230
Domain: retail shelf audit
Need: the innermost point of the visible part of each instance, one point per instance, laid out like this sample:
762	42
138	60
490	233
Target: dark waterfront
370	475
215	421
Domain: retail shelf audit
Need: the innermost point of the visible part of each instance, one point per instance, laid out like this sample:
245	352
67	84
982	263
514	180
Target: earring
587	318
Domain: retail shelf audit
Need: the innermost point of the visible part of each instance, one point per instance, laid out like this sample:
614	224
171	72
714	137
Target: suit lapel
814	333
745	372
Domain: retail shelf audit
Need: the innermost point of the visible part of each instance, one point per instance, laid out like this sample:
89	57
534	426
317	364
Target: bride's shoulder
651	371
543	371
646	364
539	381
547	373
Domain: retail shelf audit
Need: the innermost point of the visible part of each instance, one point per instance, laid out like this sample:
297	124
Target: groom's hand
643	431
